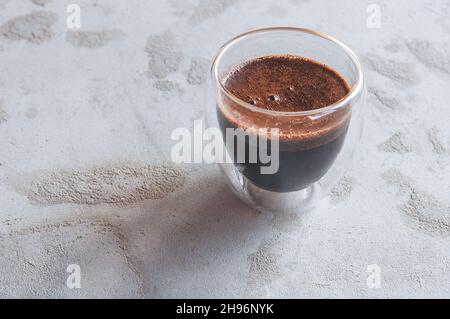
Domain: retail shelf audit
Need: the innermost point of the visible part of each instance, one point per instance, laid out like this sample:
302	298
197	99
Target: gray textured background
85	117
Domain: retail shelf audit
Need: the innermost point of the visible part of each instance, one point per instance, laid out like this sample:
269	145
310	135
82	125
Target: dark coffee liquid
308	147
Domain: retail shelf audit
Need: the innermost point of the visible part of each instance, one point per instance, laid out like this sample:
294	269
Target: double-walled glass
315	147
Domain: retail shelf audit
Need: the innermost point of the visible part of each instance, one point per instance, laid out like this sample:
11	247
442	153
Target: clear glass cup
310	164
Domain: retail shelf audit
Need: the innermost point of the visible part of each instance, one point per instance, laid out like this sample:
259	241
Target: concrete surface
85	121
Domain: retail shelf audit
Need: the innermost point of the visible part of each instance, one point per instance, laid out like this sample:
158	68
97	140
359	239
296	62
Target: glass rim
354	90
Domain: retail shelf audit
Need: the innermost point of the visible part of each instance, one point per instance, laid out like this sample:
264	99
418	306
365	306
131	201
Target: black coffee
307	147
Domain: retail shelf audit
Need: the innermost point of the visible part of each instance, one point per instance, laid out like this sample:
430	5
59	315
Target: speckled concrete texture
86	178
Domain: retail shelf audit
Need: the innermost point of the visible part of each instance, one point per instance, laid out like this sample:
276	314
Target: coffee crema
274	89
